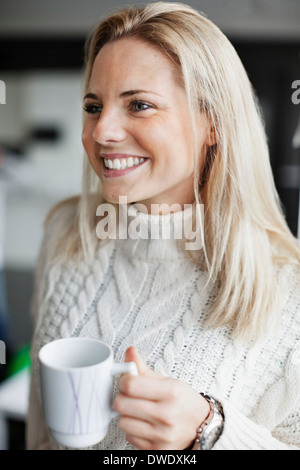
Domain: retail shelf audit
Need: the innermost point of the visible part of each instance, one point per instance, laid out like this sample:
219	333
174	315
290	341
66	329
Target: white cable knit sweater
148	293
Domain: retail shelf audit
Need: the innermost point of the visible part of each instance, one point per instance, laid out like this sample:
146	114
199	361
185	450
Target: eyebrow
124	94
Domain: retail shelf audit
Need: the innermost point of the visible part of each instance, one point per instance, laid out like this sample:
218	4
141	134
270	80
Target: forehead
132	61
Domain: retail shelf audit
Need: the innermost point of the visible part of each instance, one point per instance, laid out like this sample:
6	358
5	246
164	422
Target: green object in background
19	360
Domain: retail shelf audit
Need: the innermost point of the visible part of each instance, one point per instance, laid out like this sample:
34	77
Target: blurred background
41	65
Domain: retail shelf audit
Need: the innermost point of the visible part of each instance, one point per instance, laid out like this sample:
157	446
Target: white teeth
117	164
130	162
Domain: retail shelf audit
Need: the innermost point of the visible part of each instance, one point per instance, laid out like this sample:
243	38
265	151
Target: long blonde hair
245	232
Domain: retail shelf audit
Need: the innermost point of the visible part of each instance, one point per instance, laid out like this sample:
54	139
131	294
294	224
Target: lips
121	164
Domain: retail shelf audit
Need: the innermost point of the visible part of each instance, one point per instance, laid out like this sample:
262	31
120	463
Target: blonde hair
245	233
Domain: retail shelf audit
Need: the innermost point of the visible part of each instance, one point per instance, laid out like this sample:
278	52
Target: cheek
88	144
86	136
158	140
84	139
149	136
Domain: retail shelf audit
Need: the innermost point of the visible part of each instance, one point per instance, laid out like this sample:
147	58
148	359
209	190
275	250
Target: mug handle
123	368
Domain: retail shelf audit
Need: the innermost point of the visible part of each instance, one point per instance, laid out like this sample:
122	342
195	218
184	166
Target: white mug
76	384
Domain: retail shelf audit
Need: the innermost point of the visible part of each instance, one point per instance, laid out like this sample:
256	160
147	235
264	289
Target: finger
132	355
144	387
145	410
137	428
138	443
143	430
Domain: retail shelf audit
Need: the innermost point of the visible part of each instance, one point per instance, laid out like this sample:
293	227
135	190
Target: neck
157	208
154	235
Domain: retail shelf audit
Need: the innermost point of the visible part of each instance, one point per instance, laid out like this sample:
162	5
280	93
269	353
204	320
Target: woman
170	118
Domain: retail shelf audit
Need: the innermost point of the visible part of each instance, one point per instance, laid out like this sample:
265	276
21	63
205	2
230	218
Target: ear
211	137
208	129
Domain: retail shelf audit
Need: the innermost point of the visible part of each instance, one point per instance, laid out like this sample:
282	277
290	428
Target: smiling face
137	124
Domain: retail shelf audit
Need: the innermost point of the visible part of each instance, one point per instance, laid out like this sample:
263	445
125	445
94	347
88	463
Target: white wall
48	172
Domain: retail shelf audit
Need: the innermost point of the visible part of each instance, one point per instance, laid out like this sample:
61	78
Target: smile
122	163
120	166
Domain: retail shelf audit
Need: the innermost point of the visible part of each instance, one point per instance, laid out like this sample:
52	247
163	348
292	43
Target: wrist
211	428
204	411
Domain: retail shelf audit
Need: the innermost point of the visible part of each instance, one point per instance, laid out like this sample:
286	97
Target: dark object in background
45	134
19	294
16	430
272	68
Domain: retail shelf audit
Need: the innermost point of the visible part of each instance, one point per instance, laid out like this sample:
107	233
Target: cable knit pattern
149	293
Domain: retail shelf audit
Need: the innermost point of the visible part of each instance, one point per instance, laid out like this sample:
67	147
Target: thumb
132	355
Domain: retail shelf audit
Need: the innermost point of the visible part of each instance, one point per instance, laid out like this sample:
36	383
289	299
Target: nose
109	128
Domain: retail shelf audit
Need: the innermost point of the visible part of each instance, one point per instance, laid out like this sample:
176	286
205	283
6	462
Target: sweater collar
152	236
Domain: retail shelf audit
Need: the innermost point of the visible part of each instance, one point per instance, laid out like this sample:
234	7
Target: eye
138	106
92	108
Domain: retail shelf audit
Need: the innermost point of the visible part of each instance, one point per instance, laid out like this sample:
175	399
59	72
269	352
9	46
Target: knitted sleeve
241	433
276	423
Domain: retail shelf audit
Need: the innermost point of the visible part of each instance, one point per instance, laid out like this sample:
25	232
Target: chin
115	198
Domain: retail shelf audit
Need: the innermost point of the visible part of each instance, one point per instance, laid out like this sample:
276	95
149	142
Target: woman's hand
158	412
